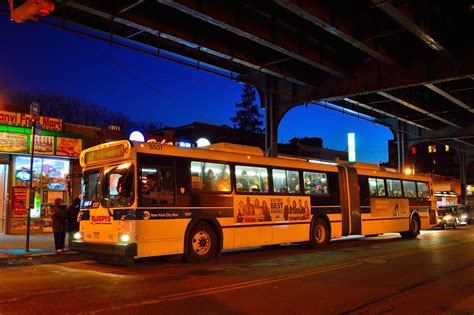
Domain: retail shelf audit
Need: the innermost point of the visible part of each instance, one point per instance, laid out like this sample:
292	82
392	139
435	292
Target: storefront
55	154
447	193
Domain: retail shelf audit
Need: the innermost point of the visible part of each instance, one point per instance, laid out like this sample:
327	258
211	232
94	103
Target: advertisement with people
251	209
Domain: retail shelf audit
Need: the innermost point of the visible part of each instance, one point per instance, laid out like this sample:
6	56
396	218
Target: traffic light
30	10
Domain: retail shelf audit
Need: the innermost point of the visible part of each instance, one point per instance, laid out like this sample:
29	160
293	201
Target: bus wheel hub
201	243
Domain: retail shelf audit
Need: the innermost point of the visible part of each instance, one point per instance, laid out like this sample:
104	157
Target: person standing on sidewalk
72	213
59	225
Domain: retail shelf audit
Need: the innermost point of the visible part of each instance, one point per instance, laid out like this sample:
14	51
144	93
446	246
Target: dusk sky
37	57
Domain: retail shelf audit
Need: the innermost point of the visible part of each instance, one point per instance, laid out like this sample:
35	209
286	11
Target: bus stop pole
32	194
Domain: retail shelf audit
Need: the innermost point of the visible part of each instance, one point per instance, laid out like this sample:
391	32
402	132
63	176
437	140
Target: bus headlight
78	236
124	238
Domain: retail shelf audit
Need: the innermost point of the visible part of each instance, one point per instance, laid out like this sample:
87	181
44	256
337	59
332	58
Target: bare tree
76	110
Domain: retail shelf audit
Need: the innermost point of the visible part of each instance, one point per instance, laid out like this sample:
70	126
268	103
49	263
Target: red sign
19	202
24	120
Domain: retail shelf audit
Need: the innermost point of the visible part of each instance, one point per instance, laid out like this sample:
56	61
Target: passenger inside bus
293	185
209	181
223	183
243	182
255	185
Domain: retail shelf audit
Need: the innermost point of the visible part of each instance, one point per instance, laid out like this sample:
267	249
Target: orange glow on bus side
105	154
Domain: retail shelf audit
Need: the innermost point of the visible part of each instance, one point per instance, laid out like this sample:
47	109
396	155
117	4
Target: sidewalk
13	253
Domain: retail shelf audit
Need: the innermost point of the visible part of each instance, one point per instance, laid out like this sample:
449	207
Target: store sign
24	120
68	146
12	142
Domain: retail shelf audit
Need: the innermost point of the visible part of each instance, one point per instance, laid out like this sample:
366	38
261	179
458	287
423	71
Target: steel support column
271	122
462	176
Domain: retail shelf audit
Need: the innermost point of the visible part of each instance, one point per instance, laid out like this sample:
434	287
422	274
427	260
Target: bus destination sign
110	153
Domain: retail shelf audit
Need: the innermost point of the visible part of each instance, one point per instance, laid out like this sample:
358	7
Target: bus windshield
117	187
90	189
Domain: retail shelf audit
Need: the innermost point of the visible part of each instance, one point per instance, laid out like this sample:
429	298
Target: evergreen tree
248	118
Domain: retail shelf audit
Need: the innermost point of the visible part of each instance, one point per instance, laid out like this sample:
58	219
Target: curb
39	258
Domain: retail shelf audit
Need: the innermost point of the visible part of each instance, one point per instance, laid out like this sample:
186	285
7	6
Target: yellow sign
12	142
24	120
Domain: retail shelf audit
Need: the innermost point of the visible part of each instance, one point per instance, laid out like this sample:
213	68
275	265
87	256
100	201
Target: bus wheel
319	234
202	244
414	228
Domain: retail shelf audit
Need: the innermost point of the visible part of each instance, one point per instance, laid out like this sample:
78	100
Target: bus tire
443	225
413	228
319	236
202	243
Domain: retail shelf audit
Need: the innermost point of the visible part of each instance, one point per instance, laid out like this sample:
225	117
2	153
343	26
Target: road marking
253	283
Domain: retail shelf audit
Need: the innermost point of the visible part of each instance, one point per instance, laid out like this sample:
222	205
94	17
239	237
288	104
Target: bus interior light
124	166
321	162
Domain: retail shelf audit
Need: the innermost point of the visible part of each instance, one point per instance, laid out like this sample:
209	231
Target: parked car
452	216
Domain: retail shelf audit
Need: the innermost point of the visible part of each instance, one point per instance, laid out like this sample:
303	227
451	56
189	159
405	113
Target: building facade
56	172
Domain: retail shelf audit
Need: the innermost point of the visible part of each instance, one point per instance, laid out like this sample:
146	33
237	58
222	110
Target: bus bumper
101	249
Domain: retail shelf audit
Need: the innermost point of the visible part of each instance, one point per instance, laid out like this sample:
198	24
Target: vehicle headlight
78	236
124	238
464	216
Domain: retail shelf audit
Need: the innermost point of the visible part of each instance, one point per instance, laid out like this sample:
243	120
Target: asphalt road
433	274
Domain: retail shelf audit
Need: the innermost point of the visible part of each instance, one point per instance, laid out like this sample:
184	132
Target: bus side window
210	177
422	189
315	183
373	187
409	189
286	181
251	179
394	188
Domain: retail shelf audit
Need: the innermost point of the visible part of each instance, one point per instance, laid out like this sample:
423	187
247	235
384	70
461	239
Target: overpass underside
408	65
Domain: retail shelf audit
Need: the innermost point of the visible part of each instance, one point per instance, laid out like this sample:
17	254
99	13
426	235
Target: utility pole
35	127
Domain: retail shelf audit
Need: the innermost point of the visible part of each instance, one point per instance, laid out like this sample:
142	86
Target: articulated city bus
150	199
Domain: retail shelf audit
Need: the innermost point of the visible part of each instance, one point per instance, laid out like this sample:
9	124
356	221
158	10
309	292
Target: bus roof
242	154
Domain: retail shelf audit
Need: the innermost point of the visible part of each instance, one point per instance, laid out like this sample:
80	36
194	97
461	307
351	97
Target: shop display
49	182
